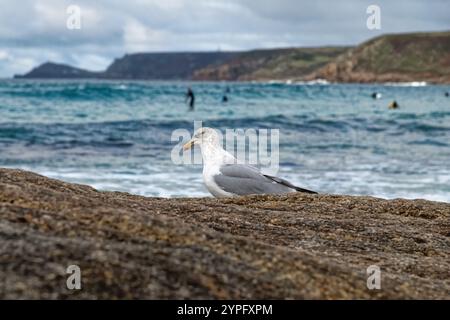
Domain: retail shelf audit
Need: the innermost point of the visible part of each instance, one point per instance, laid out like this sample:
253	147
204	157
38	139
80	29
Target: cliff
164	66
388	58
280	64
297	246
393	58
138	66
50	70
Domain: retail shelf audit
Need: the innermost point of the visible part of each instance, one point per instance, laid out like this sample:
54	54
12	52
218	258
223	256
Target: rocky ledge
298	246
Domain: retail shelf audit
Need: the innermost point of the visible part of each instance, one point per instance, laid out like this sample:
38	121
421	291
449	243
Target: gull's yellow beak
188	145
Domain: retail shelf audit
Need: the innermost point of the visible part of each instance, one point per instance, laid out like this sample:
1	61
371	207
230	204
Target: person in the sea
376	95
190	96
225	97
447	94
393	105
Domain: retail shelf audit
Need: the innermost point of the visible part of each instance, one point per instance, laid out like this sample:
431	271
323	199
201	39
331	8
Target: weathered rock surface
297	246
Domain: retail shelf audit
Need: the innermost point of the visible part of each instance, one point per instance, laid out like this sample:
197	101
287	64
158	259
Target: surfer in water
190	96
225	97
376	95
393	105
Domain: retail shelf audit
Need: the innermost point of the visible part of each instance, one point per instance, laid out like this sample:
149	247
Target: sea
333	138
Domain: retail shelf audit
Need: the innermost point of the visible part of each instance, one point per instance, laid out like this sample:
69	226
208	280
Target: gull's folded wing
241	179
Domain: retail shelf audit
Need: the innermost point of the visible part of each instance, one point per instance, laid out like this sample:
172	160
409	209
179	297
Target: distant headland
388	58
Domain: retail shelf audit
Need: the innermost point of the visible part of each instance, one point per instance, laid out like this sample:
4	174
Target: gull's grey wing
241	179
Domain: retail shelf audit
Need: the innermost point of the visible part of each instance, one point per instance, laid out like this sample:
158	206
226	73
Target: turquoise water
116	135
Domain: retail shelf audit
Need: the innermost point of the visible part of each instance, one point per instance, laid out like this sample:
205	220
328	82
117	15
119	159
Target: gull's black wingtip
305	190
290	185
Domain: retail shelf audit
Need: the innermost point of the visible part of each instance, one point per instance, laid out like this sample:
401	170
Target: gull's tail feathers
290	185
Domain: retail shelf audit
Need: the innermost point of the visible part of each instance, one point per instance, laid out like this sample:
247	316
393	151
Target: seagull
224	177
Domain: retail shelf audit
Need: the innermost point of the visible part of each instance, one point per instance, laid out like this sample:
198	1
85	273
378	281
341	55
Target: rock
256	247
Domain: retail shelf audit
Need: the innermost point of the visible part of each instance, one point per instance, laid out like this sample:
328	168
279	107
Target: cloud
9	64
92	62
137	37
32	31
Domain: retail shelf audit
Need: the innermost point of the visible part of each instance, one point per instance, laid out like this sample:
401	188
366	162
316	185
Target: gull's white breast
209	171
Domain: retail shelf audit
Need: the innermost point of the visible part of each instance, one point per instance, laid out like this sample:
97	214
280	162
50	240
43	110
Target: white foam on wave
275	82
319	81
406	84
297	82
366	183
185	182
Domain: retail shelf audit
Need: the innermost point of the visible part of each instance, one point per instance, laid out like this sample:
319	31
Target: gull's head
203	136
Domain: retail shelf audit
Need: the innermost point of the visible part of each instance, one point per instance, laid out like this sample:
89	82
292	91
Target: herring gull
224	177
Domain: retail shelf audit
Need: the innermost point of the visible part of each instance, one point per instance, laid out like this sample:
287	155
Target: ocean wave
295	82
406	84
116	135
78	91
139	133
312	82
429	142
422	127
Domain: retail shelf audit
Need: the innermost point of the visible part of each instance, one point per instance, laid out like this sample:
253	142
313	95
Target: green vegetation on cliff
397	57
270	64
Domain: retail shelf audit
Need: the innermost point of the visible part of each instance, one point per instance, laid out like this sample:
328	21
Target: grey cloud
32	32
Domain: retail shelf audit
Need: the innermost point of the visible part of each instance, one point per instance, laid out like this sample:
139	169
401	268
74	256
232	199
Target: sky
33	32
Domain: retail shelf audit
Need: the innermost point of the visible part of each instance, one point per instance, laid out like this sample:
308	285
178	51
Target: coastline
257	247
386	58
287	81
318	81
